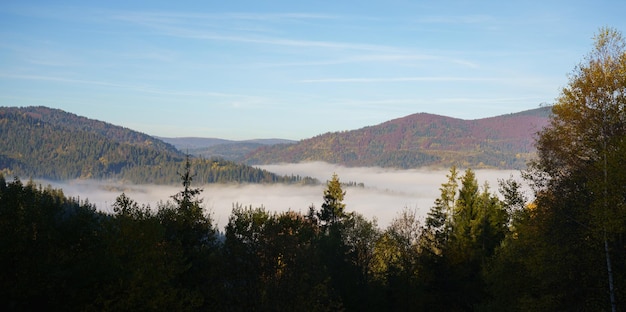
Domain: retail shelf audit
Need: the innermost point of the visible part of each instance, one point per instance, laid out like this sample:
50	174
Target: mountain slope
48	143
73	122
421	140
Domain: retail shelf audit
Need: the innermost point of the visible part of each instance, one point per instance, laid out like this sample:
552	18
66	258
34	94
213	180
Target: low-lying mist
386	193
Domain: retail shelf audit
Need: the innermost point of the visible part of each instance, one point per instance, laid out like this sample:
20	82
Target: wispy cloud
180	16
226	27
41	52
210	35
61	79
457	19
484	100
375	58
416	57
144	89
205	26
395	79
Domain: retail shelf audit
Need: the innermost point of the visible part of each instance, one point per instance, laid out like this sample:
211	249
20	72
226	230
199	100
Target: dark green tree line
173	258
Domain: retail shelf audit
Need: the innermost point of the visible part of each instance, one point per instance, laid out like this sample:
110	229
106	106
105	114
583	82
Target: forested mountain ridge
421	140
72	121
48	143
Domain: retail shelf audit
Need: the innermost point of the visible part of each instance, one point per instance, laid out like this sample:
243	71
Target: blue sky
291	69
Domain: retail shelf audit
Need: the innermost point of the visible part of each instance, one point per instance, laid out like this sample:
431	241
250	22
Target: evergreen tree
187	219
460	237
188	226
53	246
143	266
333	206
439	218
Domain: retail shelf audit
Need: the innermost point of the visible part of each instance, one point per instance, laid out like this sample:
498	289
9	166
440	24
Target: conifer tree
439	218
189	227
333	206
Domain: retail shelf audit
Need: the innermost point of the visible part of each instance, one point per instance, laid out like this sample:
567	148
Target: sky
291	69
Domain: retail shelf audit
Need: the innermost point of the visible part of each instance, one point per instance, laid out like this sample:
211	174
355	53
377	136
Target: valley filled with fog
386	193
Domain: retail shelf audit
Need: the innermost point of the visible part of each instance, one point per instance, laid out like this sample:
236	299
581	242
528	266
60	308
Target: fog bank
386	191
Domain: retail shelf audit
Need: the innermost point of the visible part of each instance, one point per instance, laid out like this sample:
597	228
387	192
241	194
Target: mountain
226	149
504	142
52	144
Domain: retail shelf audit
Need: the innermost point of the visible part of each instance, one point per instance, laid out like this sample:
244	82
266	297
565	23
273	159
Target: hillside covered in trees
504	142
48	143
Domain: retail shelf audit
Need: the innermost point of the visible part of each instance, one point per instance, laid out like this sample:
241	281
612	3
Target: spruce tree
333	206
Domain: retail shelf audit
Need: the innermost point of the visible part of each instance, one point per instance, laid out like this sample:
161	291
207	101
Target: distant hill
505	142
41	142
230	151
186	143
199	143
227	149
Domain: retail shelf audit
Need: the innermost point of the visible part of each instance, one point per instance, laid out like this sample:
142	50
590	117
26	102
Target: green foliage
439	218
462	232
333	206
396	267
66	256
51	245
473	252
273	263
144	265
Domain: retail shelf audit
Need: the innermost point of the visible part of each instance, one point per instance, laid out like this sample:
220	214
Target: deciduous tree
576	182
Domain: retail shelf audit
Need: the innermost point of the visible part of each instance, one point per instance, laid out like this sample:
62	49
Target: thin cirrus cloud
63	80
186	16
199	26
396	79
458	19
376	58
142	89
208	35
196	26
225	27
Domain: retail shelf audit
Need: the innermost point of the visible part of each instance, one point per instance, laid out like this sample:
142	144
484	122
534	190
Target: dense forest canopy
173	257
